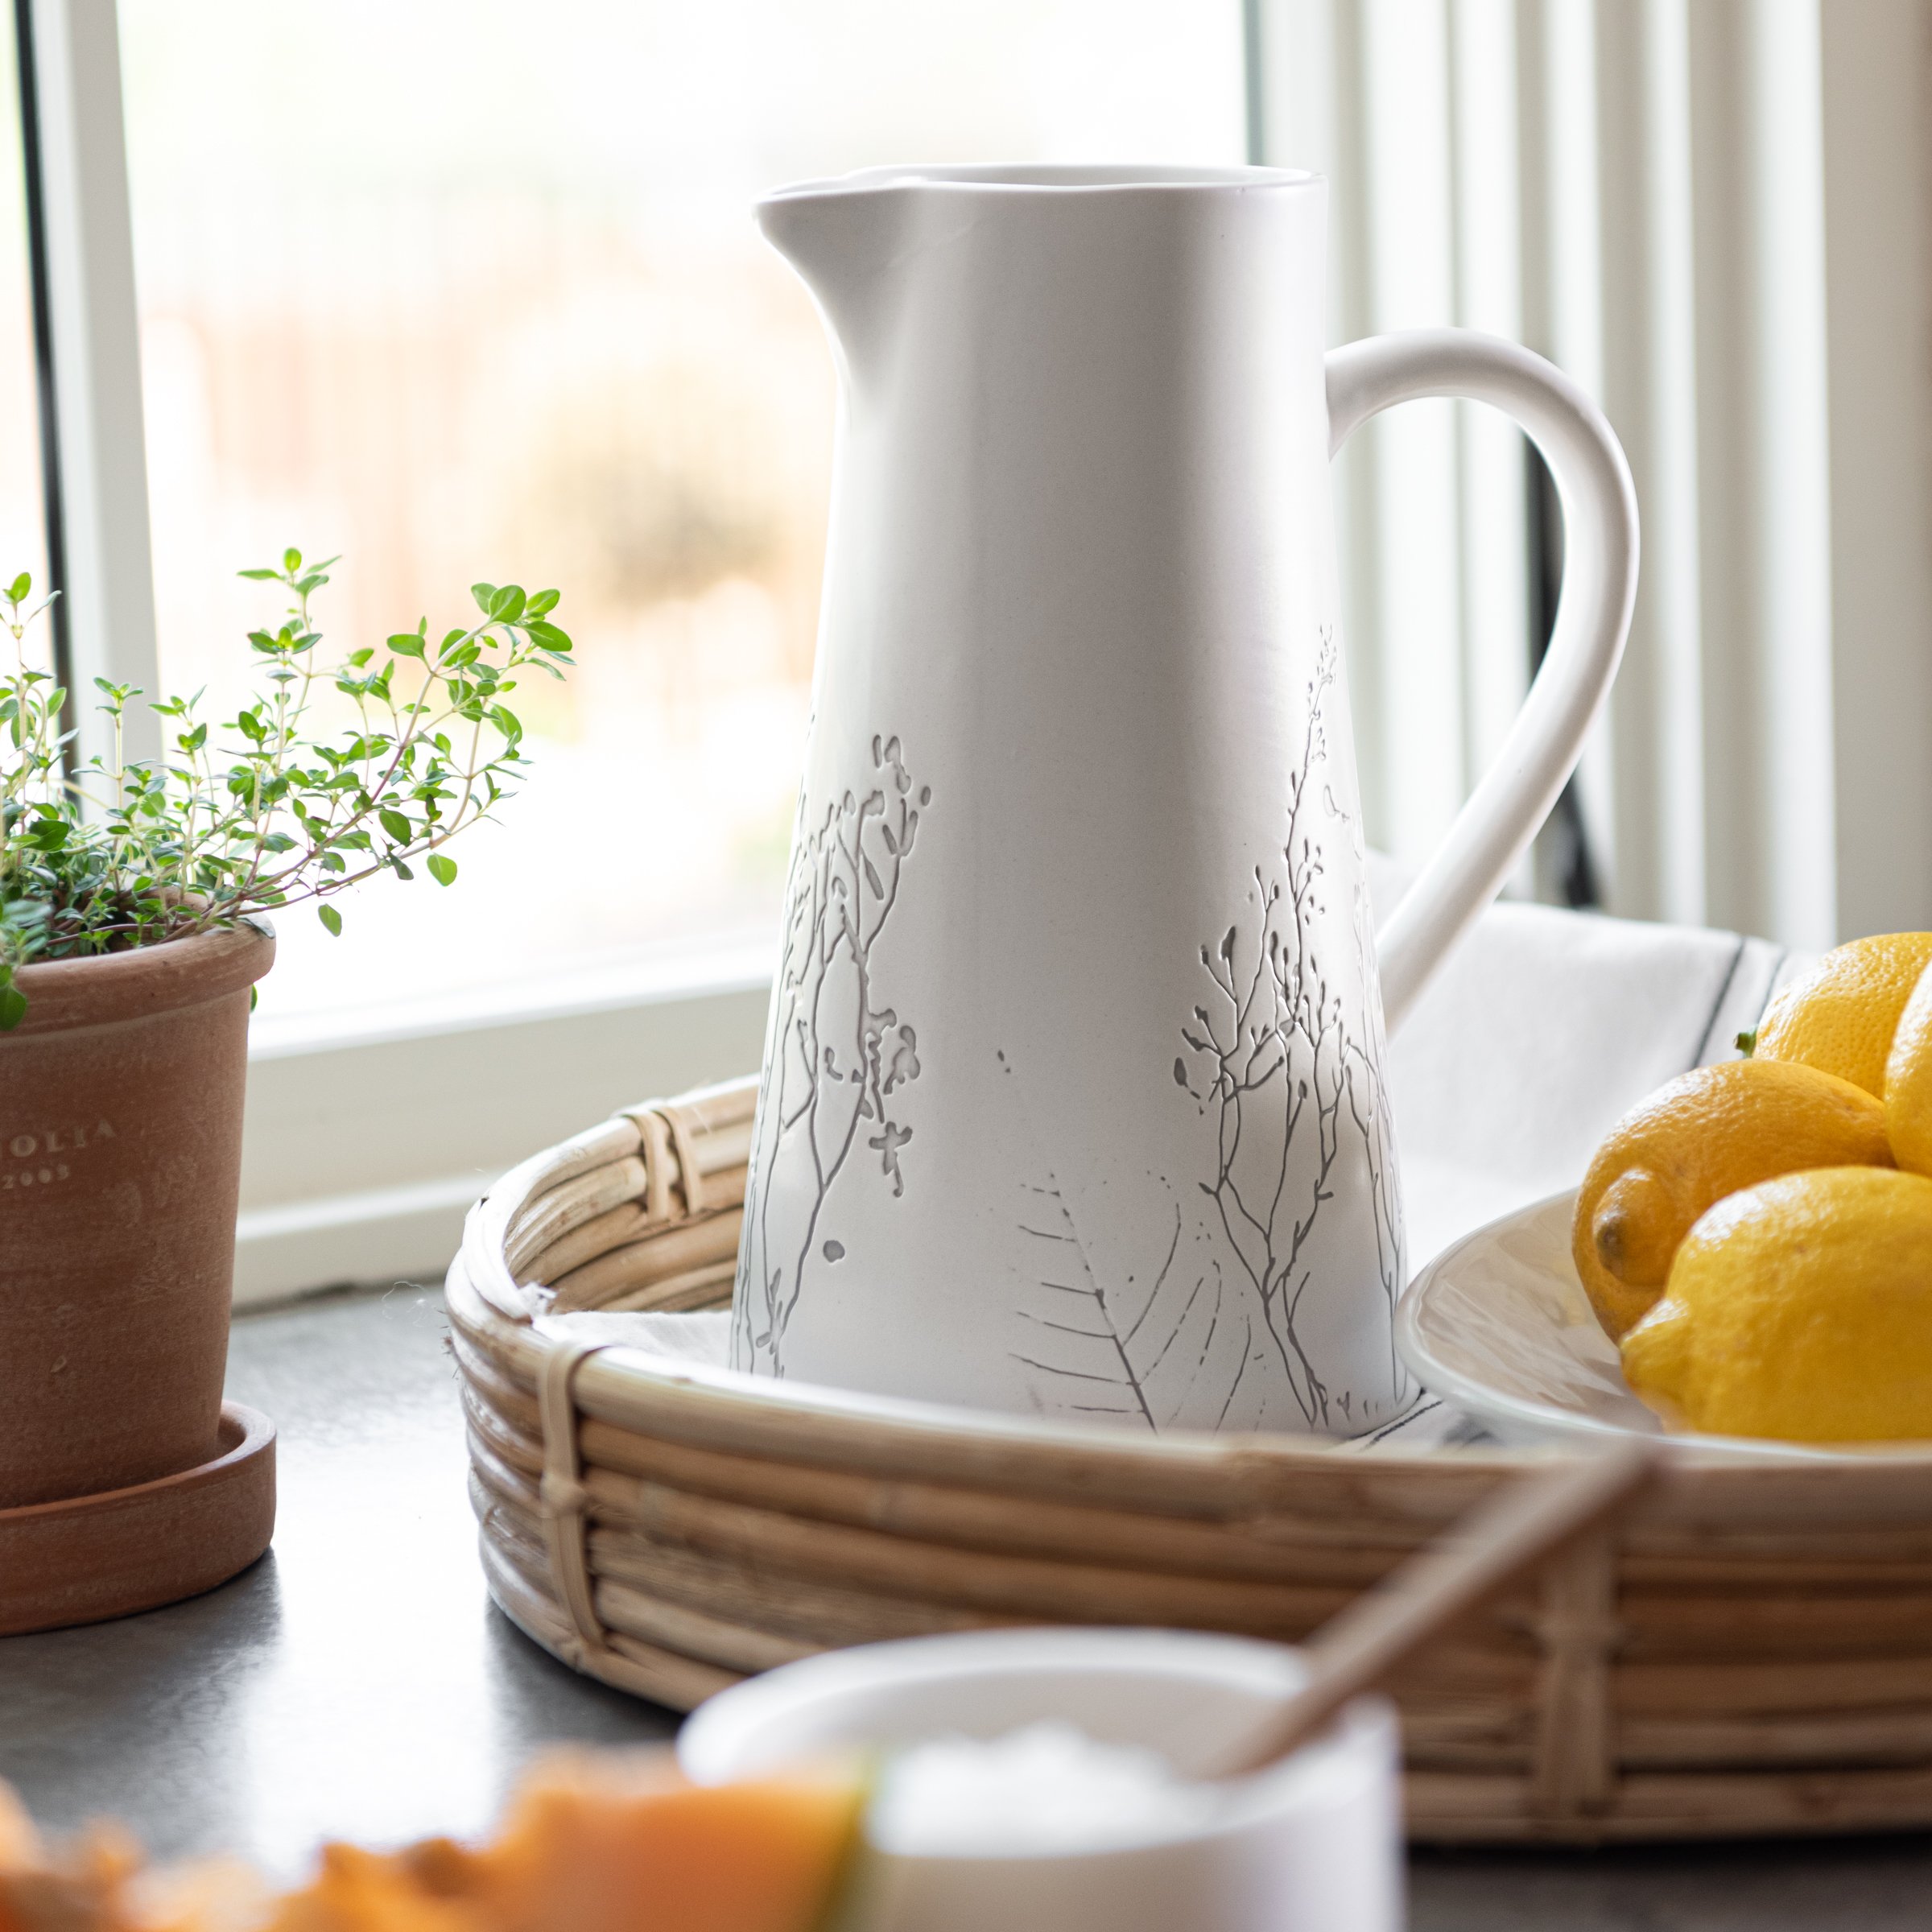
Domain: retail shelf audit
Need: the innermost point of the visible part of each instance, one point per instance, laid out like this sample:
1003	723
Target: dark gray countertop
357	1682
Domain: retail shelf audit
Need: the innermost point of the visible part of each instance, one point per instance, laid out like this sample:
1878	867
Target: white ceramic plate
1499	1325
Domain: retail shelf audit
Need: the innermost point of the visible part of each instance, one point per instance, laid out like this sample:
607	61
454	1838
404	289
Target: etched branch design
1373	1119
838	1054
1271	1042
1250	1314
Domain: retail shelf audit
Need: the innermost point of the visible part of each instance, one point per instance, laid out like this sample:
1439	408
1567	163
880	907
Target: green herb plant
269	809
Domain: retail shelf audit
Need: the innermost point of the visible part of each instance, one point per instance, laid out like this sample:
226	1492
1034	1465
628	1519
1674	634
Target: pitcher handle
1516	793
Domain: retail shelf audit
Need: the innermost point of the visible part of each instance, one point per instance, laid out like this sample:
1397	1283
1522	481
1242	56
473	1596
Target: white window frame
89	345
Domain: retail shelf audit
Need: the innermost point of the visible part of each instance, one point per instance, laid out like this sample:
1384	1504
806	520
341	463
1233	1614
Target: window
468	288
462	291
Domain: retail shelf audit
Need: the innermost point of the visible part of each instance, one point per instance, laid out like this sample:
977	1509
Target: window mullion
87	332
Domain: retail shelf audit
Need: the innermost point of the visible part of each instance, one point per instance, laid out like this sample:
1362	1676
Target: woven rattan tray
1753	1655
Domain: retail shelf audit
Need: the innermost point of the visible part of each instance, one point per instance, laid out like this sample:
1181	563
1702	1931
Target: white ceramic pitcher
1073	1095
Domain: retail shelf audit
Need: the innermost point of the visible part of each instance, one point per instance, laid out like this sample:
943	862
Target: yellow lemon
1800	1309
1908	1082
1841	1016
1703	1135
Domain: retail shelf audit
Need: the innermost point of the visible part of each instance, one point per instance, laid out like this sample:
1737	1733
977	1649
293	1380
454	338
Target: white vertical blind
1486	155
1876	589
1648	372
1408	192
1714	214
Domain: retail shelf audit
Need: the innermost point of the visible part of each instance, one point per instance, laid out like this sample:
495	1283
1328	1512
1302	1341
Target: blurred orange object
610	1845
588	1844
86	1887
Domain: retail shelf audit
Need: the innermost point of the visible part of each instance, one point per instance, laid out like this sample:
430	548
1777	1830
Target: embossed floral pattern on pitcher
1282	1059
837	1053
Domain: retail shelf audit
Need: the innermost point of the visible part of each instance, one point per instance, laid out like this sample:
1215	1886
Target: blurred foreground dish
612	1843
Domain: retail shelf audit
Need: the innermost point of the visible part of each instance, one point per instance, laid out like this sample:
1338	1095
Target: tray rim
823	1419
480	1269
840	1428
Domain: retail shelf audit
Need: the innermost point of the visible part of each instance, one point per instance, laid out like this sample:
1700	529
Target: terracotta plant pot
120	1096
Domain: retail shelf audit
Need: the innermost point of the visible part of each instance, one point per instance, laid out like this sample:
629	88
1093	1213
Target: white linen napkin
701	1335
1543	1028
1540	1030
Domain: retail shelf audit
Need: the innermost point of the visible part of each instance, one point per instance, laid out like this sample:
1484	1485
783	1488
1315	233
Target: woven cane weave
1752	1655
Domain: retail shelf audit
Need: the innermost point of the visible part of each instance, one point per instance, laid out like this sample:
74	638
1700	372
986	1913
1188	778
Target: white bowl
1313	1845
1499	1325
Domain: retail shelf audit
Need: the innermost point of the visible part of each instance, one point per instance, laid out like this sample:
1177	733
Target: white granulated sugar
1049	1788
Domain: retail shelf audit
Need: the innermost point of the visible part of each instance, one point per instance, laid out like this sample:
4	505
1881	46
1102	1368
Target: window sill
369	1133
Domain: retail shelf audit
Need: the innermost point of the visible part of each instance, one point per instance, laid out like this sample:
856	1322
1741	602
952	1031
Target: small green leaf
13	1007
280	815
486	595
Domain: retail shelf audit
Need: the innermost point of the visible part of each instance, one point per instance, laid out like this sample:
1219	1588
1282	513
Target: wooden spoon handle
1507	1533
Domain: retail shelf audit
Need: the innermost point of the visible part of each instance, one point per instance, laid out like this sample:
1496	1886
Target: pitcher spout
865	243
843	237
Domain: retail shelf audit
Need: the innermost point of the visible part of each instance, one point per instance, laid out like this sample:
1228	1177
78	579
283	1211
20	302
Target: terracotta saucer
110	1554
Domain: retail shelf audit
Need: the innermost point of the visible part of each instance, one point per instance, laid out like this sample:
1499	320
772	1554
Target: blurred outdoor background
469	289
